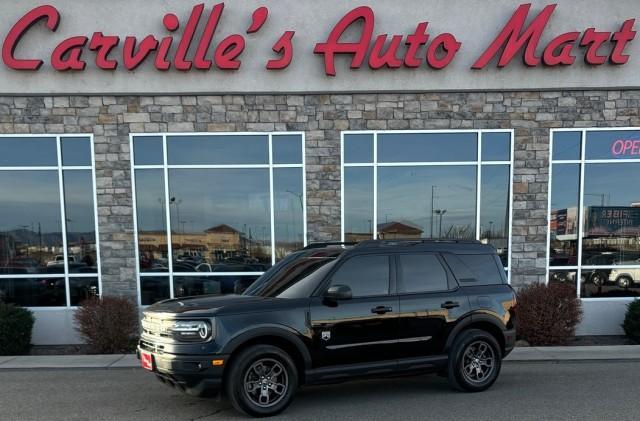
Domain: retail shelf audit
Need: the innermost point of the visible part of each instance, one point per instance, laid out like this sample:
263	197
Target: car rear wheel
474	361
262	381
624	282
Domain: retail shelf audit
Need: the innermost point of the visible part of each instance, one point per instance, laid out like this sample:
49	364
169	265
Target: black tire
467	351
244	369
598	279
625	281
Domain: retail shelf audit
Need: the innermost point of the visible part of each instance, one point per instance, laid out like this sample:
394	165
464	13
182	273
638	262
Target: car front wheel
474	361
598	279
262	381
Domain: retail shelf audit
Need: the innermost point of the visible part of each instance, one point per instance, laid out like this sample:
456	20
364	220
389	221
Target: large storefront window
214	211
594	220
428	184
48	234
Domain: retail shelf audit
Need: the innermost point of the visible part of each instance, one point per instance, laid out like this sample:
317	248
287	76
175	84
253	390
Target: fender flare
280	331
470	319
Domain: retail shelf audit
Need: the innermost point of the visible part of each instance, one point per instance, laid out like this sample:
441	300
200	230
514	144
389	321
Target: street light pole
440	213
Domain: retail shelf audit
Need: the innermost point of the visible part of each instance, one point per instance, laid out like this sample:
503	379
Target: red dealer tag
147	360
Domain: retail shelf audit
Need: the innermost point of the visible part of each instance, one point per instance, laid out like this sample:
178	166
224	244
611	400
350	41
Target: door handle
450	304
382	309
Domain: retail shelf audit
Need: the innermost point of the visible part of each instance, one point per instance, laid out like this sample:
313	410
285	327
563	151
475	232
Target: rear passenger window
479	269
422	273
365	275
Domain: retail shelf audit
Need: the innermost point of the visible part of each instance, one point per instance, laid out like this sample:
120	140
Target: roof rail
412	242
321	244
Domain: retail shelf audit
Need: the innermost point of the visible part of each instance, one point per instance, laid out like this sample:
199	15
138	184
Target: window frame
59	170
478	163
165	167
582	162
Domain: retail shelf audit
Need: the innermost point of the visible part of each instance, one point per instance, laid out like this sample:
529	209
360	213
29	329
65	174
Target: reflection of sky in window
31	151
288	216
248	149
494	198
150	200
358	148
148	150
611	184
565	186
287	149
78	194
76	151
566	145
404	194
30	198
427	147
358	197
496	146
207	198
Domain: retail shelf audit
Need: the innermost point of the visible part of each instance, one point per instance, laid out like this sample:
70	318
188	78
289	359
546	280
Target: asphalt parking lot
524	391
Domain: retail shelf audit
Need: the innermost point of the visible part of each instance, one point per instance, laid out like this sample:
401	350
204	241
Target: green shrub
108	325
631	323
548	314
16	325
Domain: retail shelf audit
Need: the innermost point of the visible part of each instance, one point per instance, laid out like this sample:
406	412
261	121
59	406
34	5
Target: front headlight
188	330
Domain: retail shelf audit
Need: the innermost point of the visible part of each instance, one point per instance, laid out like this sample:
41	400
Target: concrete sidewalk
554	354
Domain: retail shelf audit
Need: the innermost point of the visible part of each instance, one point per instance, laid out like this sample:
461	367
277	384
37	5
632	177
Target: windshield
295	278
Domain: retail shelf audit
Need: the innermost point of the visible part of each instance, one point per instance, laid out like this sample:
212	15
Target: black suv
334	312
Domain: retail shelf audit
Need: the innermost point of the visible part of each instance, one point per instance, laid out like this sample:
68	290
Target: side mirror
338	292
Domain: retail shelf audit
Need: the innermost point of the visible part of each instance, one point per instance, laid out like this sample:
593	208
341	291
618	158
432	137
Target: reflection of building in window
594	215
451	184
230	205
396	230
215	244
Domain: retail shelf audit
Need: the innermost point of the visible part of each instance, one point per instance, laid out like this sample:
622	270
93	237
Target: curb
528	355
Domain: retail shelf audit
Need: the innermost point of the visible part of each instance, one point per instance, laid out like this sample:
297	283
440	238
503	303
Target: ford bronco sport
333	312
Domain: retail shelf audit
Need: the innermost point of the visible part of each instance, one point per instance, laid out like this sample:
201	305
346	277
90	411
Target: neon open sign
625	147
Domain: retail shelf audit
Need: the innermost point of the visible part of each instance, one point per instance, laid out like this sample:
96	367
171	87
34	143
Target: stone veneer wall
322	118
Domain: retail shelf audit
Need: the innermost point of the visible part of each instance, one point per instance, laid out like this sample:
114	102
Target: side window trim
452	284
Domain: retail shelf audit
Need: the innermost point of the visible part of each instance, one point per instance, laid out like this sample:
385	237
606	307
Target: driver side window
366	275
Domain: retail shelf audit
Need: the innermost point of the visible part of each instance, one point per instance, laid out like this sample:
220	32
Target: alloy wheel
266	382
478	362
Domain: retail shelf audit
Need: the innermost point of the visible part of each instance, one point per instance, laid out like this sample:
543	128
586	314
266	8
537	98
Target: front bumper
193	374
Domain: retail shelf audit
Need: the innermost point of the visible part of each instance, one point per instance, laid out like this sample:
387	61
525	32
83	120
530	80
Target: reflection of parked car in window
598	276
58	260
625	278
563	276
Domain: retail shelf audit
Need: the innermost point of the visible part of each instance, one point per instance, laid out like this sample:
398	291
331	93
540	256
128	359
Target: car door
430	304
365	327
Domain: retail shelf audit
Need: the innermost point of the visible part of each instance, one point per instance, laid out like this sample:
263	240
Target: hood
208	305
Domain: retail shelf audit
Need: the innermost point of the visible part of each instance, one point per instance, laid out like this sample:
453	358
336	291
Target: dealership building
171	148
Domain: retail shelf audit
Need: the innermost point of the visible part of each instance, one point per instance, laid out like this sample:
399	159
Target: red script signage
413	50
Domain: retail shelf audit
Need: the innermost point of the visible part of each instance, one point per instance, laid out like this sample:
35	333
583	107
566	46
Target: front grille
153	326
151	347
